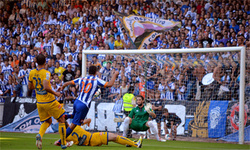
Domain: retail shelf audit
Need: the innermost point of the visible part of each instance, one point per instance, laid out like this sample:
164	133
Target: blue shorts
80	111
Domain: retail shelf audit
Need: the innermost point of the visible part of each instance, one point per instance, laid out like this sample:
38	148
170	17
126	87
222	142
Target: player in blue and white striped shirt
88	86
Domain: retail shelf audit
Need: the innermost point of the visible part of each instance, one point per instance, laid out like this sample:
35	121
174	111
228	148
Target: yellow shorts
98	139
46	110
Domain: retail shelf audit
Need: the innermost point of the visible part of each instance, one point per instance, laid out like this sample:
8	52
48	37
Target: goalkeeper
138	119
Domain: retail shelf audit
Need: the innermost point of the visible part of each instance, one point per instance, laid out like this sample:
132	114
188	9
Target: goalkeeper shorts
139	126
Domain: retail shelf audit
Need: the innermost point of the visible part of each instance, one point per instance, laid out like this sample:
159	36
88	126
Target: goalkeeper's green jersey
139	114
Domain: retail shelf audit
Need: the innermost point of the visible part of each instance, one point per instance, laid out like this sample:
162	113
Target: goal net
202	89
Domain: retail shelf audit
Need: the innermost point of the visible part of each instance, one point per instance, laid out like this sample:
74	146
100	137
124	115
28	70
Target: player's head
41	59
165	112
139	100
92	70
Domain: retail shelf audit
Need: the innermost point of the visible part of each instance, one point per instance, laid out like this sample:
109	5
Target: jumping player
88	86
82	137
138	119
47	105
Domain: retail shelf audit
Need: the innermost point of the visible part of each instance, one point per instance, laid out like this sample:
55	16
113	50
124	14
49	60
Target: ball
97	93
167	137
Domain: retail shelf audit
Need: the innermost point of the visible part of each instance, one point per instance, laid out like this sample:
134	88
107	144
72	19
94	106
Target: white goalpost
242	51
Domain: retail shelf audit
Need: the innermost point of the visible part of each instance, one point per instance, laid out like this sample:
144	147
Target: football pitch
22	141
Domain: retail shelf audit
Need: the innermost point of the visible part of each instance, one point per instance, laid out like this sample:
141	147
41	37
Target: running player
138	119
82	137
88	86
47	105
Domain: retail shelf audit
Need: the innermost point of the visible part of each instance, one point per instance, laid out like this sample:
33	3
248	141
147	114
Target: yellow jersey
59	71
95	139
36	77
118	44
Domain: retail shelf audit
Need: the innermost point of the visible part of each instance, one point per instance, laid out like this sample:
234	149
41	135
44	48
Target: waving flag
142	30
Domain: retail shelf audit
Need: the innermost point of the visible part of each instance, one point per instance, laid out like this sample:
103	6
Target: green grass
22	141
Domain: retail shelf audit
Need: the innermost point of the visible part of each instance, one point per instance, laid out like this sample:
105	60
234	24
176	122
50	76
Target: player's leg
123	140
154	130
44	126
79	113
159	128
126	123
174	131
57	111
62	130
46	120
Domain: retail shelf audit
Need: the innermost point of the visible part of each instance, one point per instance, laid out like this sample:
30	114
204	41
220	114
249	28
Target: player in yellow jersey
47	105
82	137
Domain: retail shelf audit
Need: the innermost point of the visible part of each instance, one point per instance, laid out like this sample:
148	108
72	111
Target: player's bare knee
49	121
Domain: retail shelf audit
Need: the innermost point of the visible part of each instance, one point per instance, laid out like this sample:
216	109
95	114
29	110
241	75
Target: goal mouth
200	86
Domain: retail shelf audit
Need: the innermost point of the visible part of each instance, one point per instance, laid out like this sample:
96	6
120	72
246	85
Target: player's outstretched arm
112	81
65	85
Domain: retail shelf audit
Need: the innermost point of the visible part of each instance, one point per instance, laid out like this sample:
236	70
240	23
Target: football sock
125	141
62	132
154	129
125	126
68	132
43	128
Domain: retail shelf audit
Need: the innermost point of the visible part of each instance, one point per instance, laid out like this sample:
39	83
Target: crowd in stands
62	29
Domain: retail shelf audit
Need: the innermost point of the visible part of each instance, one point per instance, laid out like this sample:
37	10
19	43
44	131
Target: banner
29	124
143	31
198	118
14	111
217	119
234	137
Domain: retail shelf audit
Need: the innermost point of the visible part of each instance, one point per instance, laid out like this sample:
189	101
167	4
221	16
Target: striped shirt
169	94
77	31
161	89
7	71
25	79
88	87
30	58
182	90
3	84
105	73
47	47
62	63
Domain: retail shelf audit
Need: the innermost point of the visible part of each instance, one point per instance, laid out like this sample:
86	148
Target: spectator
23	76
68	74
42	4
59	70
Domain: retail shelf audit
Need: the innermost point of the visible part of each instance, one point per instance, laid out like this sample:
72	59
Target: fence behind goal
203	87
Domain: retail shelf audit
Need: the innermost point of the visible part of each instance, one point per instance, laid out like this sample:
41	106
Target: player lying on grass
82	137
138	119
173	122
